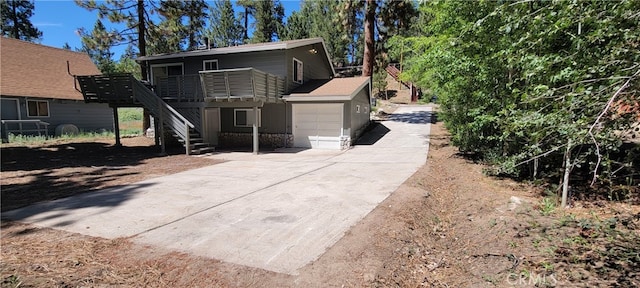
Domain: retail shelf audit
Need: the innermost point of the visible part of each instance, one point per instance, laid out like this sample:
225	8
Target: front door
211	125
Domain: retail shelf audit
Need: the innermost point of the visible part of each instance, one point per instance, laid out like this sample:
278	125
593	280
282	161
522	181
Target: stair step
202	150
198	145
192	140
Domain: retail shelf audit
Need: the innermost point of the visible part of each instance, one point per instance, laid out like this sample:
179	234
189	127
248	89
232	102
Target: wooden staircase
394	72
123	90
197	145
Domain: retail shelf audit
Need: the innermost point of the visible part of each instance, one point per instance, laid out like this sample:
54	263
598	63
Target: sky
59	21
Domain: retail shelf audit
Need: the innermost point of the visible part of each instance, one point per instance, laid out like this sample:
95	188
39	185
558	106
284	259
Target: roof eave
239	49
315	98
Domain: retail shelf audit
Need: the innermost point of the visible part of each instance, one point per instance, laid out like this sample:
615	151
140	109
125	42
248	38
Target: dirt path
447	226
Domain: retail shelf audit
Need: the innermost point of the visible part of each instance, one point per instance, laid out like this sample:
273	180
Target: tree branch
597	122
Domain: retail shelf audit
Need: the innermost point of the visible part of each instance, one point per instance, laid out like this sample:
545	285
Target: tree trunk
142	47
14	16
369	41
567	173
246	23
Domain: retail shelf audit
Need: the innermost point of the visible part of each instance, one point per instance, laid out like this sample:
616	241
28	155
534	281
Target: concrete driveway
277	211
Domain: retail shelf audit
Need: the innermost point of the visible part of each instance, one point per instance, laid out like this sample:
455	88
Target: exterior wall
86	116
274	120
314	65
360	121
278	62
267	61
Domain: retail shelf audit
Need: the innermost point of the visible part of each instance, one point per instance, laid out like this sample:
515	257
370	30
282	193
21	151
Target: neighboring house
278	94
37	93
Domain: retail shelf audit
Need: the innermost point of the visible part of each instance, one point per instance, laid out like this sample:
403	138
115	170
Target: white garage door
317	125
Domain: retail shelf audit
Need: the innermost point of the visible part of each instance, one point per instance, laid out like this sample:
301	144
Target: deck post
116	126
163	143
187	140
256	119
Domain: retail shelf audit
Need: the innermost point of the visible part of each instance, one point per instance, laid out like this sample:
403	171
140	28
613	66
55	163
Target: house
37	92
277	94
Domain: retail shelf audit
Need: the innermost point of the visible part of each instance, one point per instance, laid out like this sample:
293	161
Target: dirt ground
449	225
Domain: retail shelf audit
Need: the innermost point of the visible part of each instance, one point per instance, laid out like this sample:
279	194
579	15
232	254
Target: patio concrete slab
277	211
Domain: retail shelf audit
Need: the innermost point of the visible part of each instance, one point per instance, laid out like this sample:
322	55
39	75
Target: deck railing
241	84
113	89
181	88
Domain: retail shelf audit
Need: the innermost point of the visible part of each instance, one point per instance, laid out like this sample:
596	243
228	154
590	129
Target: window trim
248	111
38	109
204	64
301	71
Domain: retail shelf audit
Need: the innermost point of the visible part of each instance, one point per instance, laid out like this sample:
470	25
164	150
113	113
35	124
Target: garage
317	125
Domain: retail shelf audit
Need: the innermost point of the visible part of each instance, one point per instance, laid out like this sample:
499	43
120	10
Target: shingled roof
38	71
336	89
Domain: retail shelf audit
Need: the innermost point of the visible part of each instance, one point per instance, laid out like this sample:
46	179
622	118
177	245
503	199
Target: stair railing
165	113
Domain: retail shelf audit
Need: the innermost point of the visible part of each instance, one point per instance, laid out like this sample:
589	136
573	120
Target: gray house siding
360	120
274	119
267	61
314	65
86	116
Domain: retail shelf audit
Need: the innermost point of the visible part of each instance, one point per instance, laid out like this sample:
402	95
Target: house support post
163	143
116	126
256	118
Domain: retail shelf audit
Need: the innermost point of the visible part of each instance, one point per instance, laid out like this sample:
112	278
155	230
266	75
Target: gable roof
336	89
257	47
34	70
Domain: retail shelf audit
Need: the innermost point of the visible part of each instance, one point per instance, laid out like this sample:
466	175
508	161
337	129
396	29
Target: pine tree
169	35
196	12
15	20
133	13
350	18
249	9
369	38
298	26
98	45
226	29
320	19
269	15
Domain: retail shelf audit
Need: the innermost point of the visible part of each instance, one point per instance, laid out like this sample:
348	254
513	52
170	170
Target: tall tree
181	26
324	19
249	10
225	29
98	45
132	13
15	20
269	15
196	13
351	19
298	25
369	38
396	18
169	35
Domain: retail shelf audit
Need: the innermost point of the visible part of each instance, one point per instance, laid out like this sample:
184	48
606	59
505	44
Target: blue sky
59	21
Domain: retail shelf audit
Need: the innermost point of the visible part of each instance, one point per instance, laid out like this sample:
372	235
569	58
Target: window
210	65
162	71
297	71
37	108
357	108
244	117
